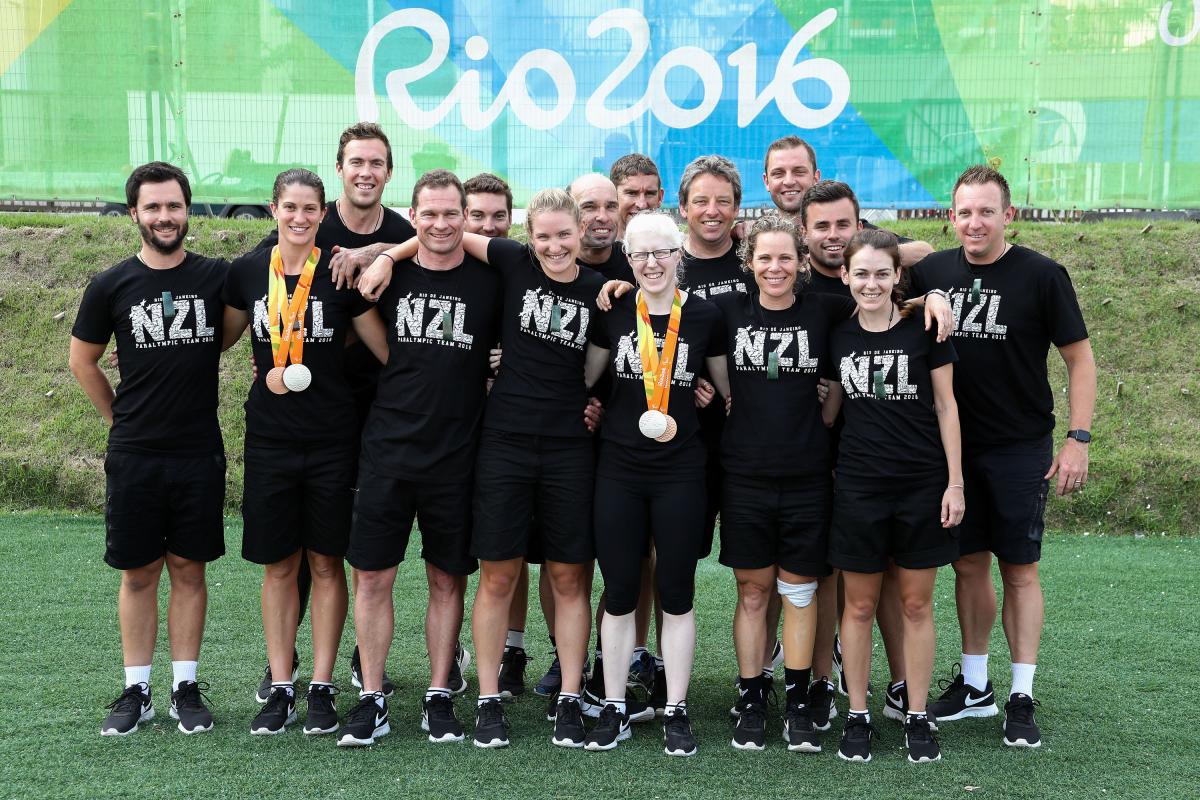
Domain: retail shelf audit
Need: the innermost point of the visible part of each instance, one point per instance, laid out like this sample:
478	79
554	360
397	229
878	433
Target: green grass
1145	464
1116	676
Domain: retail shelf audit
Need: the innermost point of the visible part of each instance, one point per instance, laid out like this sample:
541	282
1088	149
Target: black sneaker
769	695
437	718
366	722
799	732
512	672
264	686
856	739
131	708
918	738
550	683
751	730
895	702
187	706
960	700
356	675
842	688
821	696
568	724
677	734
491	728
658	695
641	672
611	727
322	710
462	657
1020	728
276	715
591	699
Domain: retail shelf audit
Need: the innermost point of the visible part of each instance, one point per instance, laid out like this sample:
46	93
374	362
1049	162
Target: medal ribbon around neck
656	370
287	339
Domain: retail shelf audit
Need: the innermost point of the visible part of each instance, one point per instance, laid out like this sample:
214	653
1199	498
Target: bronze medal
275	381
669	433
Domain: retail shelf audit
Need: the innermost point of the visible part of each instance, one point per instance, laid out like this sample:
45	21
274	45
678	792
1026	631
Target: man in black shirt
1010	304
639	187
165	464
597	199
489	206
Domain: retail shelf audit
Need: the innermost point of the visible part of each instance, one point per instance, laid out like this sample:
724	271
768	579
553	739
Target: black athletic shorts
777	521
384	511
533	487
903	523
157	504
297	496
1006	500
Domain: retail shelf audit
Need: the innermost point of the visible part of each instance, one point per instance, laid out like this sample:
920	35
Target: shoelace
279	697
917	729
1021	711
191	695
956	671
853	726
609	717
799	716
365	710
677	723
491	713
322	690
754	712
131	697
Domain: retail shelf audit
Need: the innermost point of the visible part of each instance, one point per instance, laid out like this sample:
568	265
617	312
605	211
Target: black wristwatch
1080	435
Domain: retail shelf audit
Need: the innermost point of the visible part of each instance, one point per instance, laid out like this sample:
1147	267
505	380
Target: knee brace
798	594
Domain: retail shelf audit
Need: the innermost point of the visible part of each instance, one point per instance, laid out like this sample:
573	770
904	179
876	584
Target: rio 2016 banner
1080	104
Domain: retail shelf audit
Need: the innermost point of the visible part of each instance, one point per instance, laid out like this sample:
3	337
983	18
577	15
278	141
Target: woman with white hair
650	476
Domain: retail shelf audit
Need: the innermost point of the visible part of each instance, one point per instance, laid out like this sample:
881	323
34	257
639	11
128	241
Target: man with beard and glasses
165	464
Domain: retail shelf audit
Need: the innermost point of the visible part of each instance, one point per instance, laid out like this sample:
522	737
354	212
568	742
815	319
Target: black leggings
627	515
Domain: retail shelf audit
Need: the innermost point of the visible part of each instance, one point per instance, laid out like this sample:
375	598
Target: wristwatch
1080	435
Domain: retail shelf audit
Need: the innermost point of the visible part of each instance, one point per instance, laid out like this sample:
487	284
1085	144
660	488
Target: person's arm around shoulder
912	252
377	277
832	404
369	327
1071	461
594	364
84	363
953	502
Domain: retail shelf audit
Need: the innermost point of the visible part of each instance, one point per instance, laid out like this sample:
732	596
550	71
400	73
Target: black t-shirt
708	277
425	421
393	229
625	450
324	411
895	438
1026	303
540	389
166	400
775	427
616	268
823	284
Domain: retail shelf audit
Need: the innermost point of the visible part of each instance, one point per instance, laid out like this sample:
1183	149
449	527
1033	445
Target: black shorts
533	488
1006	500
155	504
777	521
384	511
297	496
901	523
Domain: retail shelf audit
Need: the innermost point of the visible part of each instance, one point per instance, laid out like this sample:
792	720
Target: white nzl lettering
858	374
628	360
147	321
750	348
535	316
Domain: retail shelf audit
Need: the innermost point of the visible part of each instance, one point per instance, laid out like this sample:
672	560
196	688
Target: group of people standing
600	395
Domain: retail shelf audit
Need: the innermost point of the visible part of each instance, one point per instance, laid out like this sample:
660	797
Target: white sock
379	698
483	698
182	671
320	683
677	708
291	690
975	670
637	652
1022	678
432	690
866	715
515	639
137	675
620	704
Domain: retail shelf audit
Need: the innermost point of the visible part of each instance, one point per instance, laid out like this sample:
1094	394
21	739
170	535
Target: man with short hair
489	206
596	196
1010	305
442	313
165	464
639	187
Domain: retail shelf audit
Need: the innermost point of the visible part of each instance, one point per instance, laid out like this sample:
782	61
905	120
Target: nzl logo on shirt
858	375
315	331
790	346
978	319
420	318
628	361
188	325
537	309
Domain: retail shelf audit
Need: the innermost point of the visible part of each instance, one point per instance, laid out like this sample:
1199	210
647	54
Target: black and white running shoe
641	672
798	730
278	712
750	733
550	683
512	672
264	686
439	721
856	739
458	682
187	706
568	724
821	703
356	675
1020	727
636	710
961	700
127	711
366	722
491	726
918	738
895	702
611	727
322	710
677	734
